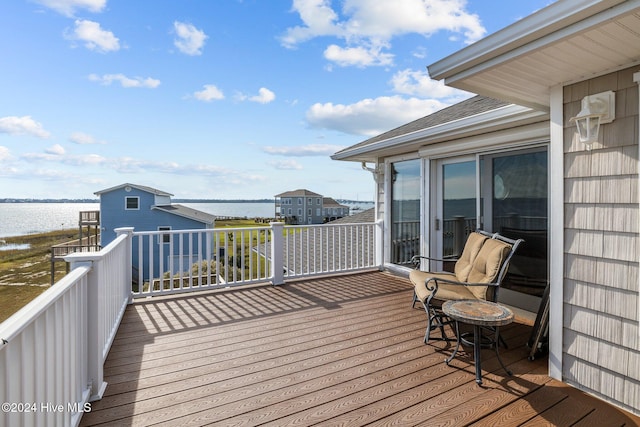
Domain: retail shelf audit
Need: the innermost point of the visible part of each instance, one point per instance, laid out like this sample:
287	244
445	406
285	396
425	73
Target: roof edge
138	187
542	23
479	122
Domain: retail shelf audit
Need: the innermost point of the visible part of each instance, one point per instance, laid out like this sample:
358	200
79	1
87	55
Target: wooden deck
330	351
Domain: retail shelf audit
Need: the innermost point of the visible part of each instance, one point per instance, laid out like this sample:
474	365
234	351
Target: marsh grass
26	273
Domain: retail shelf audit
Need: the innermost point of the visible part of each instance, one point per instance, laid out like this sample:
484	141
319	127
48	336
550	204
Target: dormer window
132	203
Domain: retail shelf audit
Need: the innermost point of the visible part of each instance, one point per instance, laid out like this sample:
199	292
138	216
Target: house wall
601	345
113	215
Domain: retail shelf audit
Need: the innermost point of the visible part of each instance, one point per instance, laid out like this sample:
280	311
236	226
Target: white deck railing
176	261
323	249
52	351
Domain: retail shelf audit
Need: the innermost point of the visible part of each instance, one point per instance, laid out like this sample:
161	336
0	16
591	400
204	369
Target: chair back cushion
469	253
487	265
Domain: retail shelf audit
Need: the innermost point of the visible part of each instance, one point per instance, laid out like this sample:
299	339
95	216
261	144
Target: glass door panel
515	204
405	211
456	217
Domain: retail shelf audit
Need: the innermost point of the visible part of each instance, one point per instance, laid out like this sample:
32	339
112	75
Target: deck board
341	350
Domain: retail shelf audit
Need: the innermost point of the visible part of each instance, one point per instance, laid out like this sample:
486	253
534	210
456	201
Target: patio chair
478	273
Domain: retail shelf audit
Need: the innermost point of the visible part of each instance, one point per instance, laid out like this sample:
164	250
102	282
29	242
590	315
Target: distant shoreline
8	200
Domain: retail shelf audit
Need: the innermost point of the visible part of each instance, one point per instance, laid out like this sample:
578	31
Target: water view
18	219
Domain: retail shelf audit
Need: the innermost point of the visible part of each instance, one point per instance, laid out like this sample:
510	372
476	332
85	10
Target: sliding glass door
499	192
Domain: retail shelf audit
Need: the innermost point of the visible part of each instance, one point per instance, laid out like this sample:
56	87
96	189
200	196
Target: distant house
307	207
148	209
333	210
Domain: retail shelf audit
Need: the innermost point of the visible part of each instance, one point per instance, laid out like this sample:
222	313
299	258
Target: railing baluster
245	255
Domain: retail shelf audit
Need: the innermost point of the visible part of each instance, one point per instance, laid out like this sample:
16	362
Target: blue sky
218	98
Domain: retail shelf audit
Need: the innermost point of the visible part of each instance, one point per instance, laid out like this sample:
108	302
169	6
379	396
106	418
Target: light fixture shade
596	109
588	128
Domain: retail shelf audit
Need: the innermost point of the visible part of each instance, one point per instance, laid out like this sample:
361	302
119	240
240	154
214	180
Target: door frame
436	212
433	194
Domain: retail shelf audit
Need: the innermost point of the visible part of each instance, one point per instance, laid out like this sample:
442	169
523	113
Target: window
317	201
299	200
166	237
132	203
309	212
405	211
299	211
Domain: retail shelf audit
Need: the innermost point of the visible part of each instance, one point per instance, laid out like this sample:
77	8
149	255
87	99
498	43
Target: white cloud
40	156
209	93
4	153
190	40
85	160
83	139
287	164
371	117
94	37
360	56
264	96
125	81
384	20
56	150
69	7
418	83
319	20
303	150
368	26
24	125
58	154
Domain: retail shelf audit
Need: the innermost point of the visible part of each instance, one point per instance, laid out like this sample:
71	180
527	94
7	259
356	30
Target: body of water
18	219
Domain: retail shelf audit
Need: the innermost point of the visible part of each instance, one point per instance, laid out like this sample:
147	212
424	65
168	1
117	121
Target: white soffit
566	42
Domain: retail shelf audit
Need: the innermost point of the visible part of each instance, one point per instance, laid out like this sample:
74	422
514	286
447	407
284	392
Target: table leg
476	352
450	358
497	340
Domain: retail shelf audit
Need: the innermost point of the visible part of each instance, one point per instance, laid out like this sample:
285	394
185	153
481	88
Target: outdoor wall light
596	110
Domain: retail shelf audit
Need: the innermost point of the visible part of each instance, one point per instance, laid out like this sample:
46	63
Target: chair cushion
486	266
446	291
469	253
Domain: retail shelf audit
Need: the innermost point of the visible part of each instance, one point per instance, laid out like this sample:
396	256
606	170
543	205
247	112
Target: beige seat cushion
446	291
487	265
472	247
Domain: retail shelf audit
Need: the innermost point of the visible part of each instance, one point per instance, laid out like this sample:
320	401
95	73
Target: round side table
478	313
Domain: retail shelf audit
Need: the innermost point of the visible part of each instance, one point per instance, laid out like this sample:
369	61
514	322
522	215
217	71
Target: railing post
277	253
459	237
129	232
95	313
378	246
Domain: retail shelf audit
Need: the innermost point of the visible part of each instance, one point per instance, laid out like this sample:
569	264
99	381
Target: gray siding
601	349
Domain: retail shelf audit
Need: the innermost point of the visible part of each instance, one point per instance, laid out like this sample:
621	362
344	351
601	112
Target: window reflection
458	206
405	211
519	206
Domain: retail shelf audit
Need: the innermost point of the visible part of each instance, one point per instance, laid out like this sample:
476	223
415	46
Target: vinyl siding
601	349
